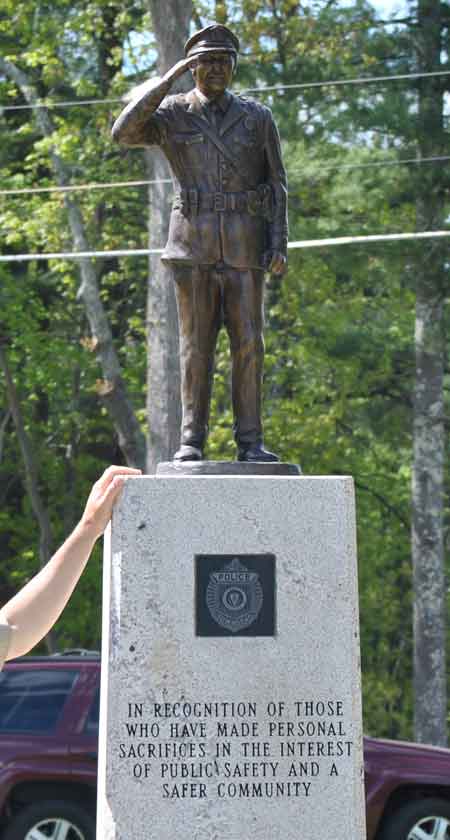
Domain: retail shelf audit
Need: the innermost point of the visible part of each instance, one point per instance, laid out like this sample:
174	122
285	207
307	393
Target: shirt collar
223	101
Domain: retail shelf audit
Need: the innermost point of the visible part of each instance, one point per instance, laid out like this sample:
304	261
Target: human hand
277	263
103	496
148	87
178	69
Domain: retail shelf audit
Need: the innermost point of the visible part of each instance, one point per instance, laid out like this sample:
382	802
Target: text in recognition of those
235	750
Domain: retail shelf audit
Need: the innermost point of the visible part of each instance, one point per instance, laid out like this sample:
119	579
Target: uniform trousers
207	298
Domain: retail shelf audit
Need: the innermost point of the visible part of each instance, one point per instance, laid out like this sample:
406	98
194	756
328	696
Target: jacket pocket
188	138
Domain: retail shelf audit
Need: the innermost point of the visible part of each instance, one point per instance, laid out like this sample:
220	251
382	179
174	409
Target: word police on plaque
235	594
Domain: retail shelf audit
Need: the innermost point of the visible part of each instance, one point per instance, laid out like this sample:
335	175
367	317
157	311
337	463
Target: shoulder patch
254	107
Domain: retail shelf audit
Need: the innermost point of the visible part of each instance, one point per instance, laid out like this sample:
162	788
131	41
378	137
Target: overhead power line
401	162
377	237
360	80
68	103
80	187
144	183
304	243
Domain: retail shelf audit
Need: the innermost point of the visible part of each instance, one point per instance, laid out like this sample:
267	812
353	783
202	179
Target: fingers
98	511
112	492
103	496
114	471
179	68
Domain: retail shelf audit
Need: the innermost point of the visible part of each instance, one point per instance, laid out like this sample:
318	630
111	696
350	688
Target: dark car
49	710
407	791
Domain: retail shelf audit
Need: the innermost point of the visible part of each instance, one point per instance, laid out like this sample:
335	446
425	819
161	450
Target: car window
32	700
94	713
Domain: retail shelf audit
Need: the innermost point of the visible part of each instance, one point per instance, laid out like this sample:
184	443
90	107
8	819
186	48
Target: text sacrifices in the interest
235	750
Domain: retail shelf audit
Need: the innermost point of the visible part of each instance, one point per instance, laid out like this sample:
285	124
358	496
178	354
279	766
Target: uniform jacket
200	233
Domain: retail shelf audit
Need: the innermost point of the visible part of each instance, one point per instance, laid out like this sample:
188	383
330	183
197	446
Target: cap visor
198	50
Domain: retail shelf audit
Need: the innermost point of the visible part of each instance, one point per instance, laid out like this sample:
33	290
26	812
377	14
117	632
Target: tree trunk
111	389
31	476
163	367
171	27
3	426
428	425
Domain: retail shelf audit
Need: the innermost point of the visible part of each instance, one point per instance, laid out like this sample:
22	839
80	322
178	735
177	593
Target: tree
171	27
51	355
428	464
113	389
31	473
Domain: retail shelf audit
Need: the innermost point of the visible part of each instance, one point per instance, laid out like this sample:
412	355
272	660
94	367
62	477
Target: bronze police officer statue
228	225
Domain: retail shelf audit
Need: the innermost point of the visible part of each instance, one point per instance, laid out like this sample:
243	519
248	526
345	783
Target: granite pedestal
230	703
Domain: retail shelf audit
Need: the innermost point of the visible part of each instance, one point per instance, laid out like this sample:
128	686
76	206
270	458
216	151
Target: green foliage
71	51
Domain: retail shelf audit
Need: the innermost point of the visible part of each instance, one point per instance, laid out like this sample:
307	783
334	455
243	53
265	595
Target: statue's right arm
135	126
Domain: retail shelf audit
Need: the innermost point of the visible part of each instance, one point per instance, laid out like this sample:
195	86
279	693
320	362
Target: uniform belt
192	201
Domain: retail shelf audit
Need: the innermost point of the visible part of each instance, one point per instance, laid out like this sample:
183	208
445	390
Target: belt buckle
219	204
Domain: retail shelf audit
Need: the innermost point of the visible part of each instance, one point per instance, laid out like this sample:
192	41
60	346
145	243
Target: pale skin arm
33	611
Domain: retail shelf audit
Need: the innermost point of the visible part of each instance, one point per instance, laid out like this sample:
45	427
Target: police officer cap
215	37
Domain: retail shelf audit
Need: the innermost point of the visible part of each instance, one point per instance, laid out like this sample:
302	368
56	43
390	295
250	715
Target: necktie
215	112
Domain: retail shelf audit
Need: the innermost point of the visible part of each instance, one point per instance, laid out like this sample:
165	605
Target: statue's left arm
277	180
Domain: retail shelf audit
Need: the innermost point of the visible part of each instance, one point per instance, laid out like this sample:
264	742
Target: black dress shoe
187	452
255	452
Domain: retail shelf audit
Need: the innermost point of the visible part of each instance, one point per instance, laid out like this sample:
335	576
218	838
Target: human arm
276	178
32	612
136	125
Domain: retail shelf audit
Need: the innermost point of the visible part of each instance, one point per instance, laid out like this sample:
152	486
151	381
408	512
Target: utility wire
143	183
70	103
405	161
361	80
80	187
304	243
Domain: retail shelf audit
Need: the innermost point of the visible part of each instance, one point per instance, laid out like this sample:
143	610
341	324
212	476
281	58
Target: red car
407	791
49	710
48	761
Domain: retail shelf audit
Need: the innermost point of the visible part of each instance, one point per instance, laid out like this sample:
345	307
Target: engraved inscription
237	750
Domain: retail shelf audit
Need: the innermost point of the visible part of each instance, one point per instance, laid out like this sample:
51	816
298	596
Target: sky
387	8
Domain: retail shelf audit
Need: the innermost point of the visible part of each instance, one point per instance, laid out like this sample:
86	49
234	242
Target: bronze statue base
174	468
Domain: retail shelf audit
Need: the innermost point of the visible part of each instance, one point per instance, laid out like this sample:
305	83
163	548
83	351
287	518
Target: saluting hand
178	69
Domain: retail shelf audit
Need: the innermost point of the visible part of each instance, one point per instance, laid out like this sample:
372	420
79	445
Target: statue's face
212	72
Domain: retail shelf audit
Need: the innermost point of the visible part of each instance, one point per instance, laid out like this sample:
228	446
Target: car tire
46	819
429	817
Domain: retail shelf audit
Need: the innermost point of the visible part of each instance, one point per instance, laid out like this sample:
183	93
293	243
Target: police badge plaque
235	594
